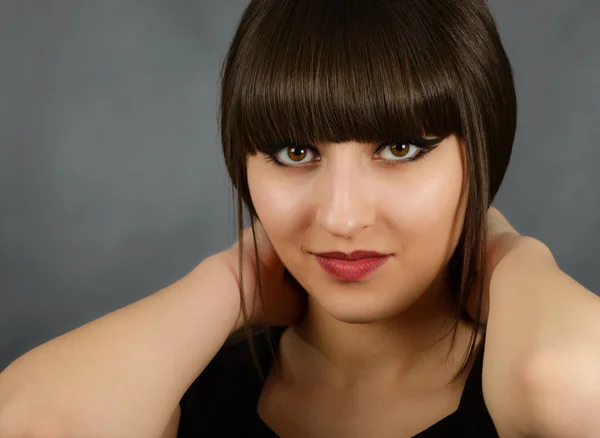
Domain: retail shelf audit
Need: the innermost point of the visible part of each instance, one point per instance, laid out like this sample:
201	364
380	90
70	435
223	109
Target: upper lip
354	255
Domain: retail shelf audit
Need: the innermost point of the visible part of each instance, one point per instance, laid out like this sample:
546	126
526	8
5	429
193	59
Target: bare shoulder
173	426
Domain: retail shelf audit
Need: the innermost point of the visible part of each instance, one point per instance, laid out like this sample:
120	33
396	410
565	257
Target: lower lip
351	270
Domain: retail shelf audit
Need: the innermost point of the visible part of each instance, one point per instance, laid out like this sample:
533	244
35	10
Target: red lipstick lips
351	267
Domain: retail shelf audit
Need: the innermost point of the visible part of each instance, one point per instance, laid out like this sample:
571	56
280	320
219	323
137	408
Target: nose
345	204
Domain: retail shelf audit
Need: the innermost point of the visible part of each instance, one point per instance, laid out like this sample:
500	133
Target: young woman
367	140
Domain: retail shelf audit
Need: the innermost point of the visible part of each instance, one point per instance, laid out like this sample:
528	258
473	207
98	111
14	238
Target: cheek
428	216
277	202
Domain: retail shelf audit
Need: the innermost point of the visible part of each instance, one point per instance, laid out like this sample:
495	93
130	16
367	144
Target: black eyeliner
425	144
272	148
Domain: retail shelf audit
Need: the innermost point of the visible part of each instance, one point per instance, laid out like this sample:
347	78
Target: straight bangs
354	70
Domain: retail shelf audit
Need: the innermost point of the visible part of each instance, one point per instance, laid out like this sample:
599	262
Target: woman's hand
283	299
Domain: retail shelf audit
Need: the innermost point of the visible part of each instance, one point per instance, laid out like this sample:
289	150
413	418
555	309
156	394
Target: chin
363	307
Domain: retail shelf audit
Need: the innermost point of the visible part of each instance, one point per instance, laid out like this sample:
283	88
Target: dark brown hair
375	71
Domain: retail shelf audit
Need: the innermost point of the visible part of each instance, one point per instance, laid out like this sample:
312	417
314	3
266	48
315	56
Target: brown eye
296	153
293	155
399	149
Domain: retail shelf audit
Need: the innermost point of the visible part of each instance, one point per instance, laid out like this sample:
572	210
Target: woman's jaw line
398	343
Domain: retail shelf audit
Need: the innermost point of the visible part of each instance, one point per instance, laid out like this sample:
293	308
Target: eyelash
271	157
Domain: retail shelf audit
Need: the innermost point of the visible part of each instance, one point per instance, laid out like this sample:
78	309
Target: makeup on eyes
424	145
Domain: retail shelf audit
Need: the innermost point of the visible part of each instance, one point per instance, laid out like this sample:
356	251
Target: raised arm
541	372
123	374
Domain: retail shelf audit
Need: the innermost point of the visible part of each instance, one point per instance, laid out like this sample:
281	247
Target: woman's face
353	196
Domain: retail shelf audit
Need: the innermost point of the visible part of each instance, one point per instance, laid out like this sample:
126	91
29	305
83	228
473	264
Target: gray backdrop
112	184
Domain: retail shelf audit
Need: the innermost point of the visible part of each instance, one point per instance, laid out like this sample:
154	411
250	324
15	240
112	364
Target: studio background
112	184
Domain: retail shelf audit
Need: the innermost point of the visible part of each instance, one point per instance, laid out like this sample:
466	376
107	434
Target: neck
414	342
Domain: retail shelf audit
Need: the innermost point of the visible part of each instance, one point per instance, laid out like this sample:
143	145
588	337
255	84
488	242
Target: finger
497	222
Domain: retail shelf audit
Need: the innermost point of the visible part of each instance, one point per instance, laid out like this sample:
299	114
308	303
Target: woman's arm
123	374
541	373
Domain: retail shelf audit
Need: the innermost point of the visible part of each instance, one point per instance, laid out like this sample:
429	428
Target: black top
222	401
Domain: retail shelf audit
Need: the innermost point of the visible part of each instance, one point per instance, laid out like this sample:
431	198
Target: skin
347	196
539	377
